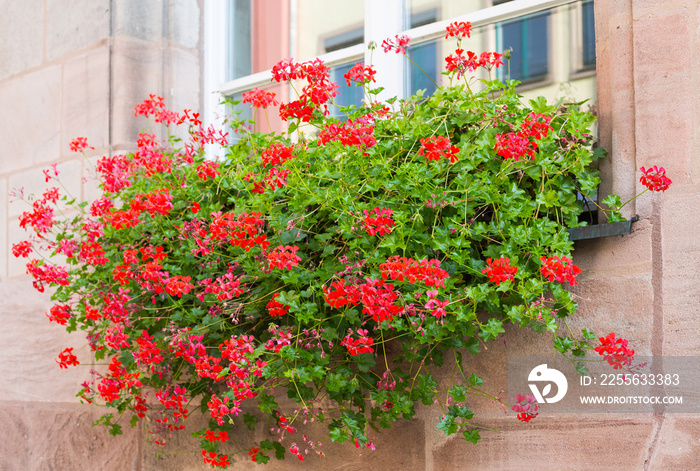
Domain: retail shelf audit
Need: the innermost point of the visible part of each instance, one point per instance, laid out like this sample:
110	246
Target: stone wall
68	69
77	68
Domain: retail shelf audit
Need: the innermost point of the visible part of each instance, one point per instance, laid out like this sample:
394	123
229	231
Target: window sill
596	231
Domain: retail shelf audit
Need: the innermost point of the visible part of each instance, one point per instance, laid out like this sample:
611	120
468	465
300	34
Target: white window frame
383	19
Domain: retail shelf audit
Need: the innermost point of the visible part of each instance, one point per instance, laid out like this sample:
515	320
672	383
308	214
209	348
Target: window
528	39
339	31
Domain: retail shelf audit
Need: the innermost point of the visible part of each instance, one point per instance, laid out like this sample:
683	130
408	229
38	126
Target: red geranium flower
561	269
655	178
499	270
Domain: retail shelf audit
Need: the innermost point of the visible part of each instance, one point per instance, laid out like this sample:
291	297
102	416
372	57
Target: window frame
390	67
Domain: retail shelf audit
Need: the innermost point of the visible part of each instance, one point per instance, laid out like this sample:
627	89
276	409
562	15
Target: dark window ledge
597	231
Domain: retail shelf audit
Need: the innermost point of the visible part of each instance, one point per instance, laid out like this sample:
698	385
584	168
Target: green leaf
492	329
115	429
563	344
475	380
250	420
581	368
267	403
447	425
458	393
472	435
612	201
365	361
338	435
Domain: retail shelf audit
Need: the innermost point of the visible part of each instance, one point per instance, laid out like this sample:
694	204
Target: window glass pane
588	33
246	113
424	55
529	40
238	63
424	71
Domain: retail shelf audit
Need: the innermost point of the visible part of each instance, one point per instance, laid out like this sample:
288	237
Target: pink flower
397	44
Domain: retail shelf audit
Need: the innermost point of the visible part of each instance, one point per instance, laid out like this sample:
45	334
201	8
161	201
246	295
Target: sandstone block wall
69	69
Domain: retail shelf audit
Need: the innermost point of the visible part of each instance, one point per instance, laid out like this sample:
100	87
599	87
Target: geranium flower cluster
224	287
615	351
277	154
274	156
434	305
59	313
516	145
360	74
174	401
259	98
425	271
283	257
243	230
526	406
654	178
216	436
148	353
47	274
66	358
78	144
214	459
362	344
436	147
358	133
112	385
397	44
275	308
378	221
208	170
378	299
461	65
40	218
315	94
459	30
560	269
22	249
499	270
